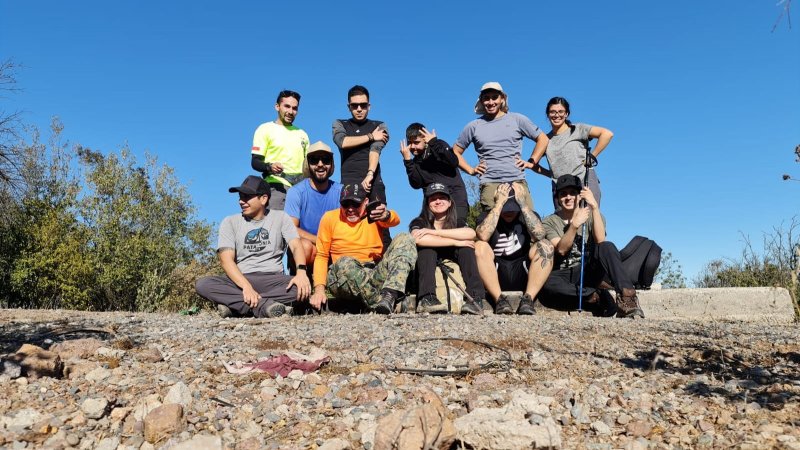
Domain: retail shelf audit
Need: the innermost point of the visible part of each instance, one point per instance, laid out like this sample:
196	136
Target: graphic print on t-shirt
508	241
256	240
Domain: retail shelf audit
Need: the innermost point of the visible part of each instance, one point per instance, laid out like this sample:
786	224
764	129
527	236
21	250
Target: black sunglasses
355	106
351	204
315	159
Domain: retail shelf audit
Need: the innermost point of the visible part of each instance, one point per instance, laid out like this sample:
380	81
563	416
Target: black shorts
512	273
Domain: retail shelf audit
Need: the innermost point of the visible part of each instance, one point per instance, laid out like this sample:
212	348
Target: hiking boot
274	309
628	304
474	308
526	306
503	305
430	304
224	311
386	303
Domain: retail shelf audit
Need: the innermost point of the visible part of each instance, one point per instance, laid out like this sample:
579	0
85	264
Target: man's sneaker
430	304
525	307
474	308
224	311
274	309
503	305
386	303
628	304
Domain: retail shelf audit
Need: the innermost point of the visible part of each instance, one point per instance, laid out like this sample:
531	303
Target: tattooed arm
529	217
486	228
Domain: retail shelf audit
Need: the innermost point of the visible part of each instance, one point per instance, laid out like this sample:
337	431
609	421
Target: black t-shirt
510	240
437	164
355	161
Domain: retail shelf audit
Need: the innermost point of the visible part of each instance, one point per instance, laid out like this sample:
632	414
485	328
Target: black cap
565	181
511	204
252	185
352	192
437	188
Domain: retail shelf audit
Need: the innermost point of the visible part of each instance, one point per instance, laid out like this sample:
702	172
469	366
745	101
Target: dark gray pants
271	286
604	265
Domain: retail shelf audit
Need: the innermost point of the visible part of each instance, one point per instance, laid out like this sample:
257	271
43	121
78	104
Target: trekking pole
449	272
588	163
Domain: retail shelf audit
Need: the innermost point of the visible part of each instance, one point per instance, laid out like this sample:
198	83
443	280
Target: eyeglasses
351	204
556	113
314	159
355	106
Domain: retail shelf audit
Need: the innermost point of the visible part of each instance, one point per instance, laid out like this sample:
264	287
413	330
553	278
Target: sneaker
386	303
224	311
473	308
274	309
503	306
430	304
526	306
628	304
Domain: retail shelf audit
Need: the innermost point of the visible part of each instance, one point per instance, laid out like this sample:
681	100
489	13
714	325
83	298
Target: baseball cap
353	192
511	204
252	185
479	109
437	188
568	180
316	147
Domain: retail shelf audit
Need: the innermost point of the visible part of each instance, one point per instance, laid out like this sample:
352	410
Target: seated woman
438	237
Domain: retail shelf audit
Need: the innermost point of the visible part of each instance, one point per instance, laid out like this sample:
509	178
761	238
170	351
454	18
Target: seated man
251	247
434	162
511	237
602	264
360	272
309	199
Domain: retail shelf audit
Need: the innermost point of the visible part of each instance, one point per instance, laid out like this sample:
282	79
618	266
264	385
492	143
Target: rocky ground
158	381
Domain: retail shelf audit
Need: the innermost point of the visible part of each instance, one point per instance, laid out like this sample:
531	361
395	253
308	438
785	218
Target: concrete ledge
759	304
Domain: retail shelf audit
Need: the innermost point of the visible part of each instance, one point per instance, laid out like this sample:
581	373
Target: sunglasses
487	97
355	106
314	159
351	204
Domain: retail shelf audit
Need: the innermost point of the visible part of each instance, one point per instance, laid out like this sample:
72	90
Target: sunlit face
287	110
252	205
439	203
352	210
568	198
359	107
557	115
416	145
321	166
492	101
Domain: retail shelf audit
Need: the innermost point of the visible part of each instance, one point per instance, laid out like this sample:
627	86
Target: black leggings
463	256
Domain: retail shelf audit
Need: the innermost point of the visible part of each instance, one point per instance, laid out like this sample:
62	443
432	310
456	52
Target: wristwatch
301	267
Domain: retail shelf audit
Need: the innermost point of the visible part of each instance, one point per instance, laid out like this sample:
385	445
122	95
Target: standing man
279	149
603	264
309	199
360	141
497	136
434	162
511	237
361	273
251	247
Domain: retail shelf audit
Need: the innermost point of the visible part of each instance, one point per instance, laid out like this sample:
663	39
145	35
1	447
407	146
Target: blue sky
703	99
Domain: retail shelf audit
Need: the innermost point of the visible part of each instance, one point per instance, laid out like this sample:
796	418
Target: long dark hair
427	216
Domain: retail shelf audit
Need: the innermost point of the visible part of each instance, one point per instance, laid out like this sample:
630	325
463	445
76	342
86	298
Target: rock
98	374
37	362
77	348
22	419
484	378
94	408
638	428
11	369
162	422
251	443
145	405
425	426
118	414
150	354
110	443
110	352
179	393
601	428
201	442
335	444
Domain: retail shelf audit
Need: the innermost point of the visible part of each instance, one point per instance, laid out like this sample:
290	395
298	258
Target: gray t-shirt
259	244
566	151
554	227
497	142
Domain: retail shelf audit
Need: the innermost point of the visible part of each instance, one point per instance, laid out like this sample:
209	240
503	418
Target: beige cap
490	85
319	146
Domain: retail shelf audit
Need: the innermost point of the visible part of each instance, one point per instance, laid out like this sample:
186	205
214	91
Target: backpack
641	258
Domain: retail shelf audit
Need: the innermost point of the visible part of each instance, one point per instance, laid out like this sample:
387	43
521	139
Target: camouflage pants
349	279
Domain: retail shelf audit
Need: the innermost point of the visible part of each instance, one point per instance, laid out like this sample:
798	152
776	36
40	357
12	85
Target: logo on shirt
256	240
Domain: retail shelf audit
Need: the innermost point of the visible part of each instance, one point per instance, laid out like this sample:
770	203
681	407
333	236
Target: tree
670	272
9	131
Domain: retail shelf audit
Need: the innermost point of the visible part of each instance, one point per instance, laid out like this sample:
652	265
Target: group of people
342	256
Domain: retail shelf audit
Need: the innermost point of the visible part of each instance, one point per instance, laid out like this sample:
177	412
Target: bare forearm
297	251
540	148
598	227
374	158
565	244
461	234
486	228
532	222
354	141
435	241
233	272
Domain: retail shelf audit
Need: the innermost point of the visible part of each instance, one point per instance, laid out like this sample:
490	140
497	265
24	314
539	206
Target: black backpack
641	258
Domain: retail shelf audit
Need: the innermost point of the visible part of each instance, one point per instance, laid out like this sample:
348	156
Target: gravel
599	383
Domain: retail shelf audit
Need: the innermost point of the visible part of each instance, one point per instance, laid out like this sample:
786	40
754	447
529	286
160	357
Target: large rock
76	348
37	362
422	427
94	408
740	304
179	393
162	422
524	423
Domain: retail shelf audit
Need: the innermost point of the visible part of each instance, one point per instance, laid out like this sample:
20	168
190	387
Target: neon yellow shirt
286	145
